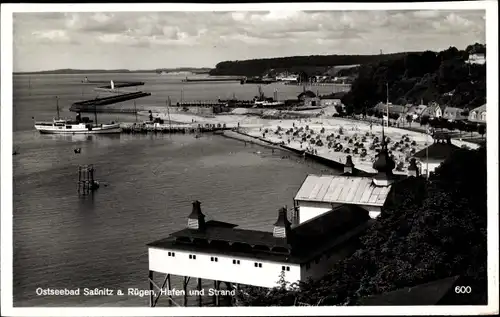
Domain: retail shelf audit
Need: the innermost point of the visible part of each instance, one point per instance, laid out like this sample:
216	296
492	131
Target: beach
339	137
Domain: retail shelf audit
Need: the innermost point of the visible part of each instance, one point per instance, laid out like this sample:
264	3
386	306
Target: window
192	257
258	264
285	268
214	259
236	261
171	253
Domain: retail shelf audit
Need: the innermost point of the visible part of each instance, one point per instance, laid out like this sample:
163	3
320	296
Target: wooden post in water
86	182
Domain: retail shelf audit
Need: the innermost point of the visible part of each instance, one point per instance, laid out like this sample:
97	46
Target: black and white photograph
249	159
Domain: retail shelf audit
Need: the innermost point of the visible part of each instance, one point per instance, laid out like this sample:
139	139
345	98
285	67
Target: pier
195	128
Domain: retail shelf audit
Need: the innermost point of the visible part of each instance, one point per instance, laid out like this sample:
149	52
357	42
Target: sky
142	40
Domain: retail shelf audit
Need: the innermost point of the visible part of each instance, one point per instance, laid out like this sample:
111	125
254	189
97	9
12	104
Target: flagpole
387	103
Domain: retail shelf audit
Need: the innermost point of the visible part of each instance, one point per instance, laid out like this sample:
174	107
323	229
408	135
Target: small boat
78	126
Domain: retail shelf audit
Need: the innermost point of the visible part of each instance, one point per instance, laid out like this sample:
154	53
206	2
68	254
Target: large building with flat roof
221	251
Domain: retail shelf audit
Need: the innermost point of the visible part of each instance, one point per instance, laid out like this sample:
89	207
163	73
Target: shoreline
289	135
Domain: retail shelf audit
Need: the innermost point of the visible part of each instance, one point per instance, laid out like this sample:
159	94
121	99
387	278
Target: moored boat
78	126
63	126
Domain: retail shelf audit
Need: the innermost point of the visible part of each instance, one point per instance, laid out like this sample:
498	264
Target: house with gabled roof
478	114
433	110
416	111
453	113
393	109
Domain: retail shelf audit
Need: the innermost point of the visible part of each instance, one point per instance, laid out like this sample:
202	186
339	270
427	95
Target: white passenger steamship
78	126
63	126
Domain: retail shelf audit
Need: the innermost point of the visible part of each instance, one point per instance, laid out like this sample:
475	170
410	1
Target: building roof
342	189
233	235
438	150
432	108
480	109
307	93
418	109
399	109
303	243
452	111
424	294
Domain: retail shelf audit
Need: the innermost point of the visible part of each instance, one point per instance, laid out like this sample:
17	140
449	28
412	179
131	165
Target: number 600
463	289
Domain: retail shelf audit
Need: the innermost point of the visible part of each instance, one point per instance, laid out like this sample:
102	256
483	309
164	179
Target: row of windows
317	260
216	259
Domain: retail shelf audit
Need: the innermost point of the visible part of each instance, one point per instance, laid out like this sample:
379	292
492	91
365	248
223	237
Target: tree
461	126
409	119
481	129
425	120
416	76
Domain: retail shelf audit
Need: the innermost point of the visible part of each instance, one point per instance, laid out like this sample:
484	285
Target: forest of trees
442	77
436	229
311	65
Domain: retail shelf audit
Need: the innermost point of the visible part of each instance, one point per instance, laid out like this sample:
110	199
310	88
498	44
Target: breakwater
193	80
91	104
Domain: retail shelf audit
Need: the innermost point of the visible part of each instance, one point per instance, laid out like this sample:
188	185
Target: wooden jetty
195	128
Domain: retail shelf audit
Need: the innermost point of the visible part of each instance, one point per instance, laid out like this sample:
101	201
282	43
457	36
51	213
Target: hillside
312	65
443	77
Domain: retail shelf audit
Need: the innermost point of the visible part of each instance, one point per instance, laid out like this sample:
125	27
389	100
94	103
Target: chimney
282	225
349	165
196	219
413	168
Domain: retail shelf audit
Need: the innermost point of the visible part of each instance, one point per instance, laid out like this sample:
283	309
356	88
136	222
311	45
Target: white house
431	157
477	58
453	113
221	252
320	193
433	110
478	114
